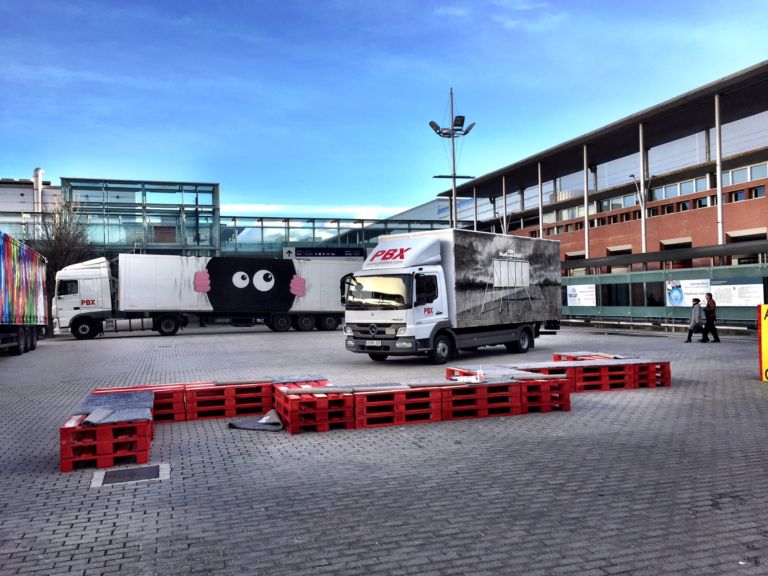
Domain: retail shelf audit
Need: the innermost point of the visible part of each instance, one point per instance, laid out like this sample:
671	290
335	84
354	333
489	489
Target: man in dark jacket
710	315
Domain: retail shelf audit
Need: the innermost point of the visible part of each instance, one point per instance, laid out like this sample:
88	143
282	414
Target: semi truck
23	303
437	292
160	292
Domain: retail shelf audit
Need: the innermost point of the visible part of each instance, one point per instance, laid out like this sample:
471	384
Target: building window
653	211
702	202
656	194
614	295
654	294
737	196
683	206
702	184
687	187
726	178
739	176
757	192
670	191
669	209
759	171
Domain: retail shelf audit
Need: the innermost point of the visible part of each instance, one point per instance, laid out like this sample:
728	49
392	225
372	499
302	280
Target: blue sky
302	108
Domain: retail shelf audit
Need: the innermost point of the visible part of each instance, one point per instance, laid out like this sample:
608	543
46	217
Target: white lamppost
455	130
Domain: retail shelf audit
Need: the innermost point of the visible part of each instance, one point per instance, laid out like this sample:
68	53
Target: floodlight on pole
456	130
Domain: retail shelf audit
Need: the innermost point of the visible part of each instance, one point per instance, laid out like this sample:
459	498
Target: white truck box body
491	279
150	283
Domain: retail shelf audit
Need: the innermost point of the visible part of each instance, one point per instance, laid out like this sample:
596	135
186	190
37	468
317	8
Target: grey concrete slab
650	481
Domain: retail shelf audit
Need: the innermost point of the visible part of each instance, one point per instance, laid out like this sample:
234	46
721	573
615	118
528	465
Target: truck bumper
406	346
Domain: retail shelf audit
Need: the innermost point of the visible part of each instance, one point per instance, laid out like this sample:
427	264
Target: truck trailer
436	292
160	292
23	304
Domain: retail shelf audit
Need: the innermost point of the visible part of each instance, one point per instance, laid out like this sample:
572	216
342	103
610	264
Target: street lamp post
456	130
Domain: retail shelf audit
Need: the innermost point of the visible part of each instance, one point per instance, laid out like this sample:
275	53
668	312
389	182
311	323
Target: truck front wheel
442	349
84	329
377	356
280	323
167	325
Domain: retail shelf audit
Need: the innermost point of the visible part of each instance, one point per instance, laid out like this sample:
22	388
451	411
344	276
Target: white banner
582	295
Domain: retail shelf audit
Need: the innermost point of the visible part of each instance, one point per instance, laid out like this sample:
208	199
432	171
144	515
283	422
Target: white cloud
540	23
457	11
312	211
520	5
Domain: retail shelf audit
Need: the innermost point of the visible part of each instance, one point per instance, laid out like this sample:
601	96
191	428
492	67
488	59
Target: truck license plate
376	343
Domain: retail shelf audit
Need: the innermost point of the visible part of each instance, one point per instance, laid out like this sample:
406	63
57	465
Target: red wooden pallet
105	461
227	400
604	378
653	375
394	408
168	404
463	402
74	431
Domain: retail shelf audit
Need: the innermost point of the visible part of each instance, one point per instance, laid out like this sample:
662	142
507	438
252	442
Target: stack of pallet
312	412
107	430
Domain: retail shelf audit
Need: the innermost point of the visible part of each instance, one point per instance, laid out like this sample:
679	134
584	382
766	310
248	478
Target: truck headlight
401	331
348	331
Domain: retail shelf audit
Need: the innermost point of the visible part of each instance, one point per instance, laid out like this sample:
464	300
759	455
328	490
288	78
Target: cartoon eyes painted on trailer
243	285
263	280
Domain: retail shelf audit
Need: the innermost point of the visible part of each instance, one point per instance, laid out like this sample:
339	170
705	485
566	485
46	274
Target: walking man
710	315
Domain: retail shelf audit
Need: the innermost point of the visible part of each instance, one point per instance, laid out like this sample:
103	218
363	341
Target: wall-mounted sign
733	292
582	295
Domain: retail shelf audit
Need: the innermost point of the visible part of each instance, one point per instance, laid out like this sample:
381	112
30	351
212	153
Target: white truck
159	292
436	292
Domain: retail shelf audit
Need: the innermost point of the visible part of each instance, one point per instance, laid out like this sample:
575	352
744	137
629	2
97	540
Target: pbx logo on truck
391	254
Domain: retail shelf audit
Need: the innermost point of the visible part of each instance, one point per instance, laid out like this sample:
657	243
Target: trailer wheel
378	356
20	347
167	325
442	349
84	329
303	323
523	344
280	323
328	323
31	338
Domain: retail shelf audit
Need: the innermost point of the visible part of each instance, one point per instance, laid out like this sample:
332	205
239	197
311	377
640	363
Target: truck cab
396	313
83	298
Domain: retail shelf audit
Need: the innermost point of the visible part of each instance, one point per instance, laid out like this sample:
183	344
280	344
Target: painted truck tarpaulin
505	279
22	284
230	285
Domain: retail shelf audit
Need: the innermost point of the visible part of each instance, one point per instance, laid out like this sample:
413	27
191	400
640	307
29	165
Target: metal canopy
741	95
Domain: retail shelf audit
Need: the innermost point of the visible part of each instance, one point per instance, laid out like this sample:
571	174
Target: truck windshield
391	292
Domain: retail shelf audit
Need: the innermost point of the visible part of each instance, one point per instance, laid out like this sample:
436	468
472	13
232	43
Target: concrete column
504	192
719	170
643	196
541	203
586	203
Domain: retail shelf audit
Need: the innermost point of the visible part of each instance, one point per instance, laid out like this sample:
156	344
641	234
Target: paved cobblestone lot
650	482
